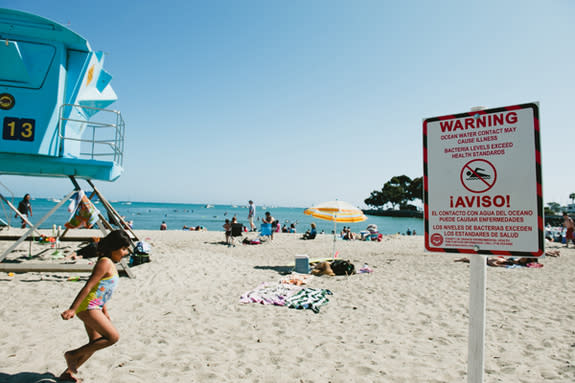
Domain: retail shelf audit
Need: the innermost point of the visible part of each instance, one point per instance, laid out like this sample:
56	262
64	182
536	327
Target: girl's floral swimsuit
100	294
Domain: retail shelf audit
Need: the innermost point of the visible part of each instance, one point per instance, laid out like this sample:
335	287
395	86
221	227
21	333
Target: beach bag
138	259
141	254
143	247
342	267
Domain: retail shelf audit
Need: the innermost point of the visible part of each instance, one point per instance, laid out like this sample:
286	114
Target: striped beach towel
85	213
308	298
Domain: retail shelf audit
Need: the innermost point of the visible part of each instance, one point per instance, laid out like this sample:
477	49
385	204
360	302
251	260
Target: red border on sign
538	176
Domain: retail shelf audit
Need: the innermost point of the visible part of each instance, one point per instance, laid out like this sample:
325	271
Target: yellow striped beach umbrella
336	211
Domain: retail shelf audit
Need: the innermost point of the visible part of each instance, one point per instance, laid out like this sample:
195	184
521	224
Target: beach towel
533	265
270	294
85	214
308	298
248	241
295	279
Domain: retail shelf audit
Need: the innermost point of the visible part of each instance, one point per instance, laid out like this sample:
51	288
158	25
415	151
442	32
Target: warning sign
482	182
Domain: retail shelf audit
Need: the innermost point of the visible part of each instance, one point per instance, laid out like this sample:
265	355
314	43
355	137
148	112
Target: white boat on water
208	206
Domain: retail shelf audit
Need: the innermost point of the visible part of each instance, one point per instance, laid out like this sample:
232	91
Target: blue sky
297	102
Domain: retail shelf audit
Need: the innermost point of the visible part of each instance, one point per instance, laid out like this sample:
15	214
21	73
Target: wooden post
112	211
33	228
22	217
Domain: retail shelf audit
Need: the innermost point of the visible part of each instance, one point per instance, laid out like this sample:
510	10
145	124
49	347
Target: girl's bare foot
67	376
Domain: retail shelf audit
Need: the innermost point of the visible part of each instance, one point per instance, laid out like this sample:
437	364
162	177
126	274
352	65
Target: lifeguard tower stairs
54	95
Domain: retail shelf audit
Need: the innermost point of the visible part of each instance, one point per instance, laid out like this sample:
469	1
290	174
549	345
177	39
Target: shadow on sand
28	377
282	270
217	243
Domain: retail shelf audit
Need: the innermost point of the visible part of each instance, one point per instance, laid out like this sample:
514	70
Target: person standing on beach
569	225
90	303
228	228
251	215
25	208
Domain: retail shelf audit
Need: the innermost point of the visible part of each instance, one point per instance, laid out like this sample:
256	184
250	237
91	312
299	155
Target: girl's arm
100	270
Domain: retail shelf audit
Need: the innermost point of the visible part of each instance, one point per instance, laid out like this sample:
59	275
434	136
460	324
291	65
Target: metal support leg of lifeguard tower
103	225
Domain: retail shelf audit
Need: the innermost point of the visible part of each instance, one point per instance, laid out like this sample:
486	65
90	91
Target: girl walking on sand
90	303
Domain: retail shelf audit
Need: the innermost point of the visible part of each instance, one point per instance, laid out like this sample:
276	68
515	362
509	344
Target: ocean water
149	216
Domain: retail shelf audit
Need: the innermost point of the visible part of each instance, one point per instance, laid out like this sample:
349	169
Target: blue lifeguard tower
54	95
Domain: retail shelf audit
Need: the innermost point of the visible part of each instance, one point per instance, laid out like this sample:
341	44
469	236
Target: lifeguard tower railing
103	138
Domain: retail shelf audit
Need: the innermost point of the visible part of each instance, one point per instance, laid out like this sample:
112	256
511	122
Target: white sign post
476	342
483	196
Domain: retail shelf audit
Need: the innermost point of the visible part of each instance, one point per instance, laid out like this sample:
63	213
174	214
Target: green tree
375	199
572	197
394	192
398	191
415	189
554	207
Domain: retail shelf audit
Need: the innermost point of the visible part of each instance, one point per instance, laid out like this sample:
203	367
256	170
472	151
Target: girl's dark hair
113	241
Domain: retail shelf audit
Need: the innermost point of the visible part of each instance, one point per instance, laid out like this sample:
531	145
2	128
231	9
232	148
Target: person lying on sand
503	262
322	268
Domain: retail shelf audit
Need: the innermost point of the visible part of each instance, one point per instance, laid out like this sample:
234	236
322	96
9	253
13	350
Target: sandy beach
181	319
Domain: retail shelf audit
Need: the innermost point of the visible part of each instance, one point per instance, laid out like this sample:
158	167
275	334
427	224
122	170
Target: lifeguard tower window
25	64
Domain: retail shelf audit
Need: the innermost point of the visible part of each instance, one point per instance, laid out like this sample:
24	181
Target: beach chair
266	230
237	231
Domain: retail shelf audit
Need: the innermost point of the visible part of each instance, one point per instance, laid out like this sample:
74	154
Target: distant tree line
397	192
553	208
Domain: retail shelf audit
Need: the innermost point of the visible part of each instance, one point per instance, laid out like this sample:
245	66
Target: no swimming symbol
478	176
